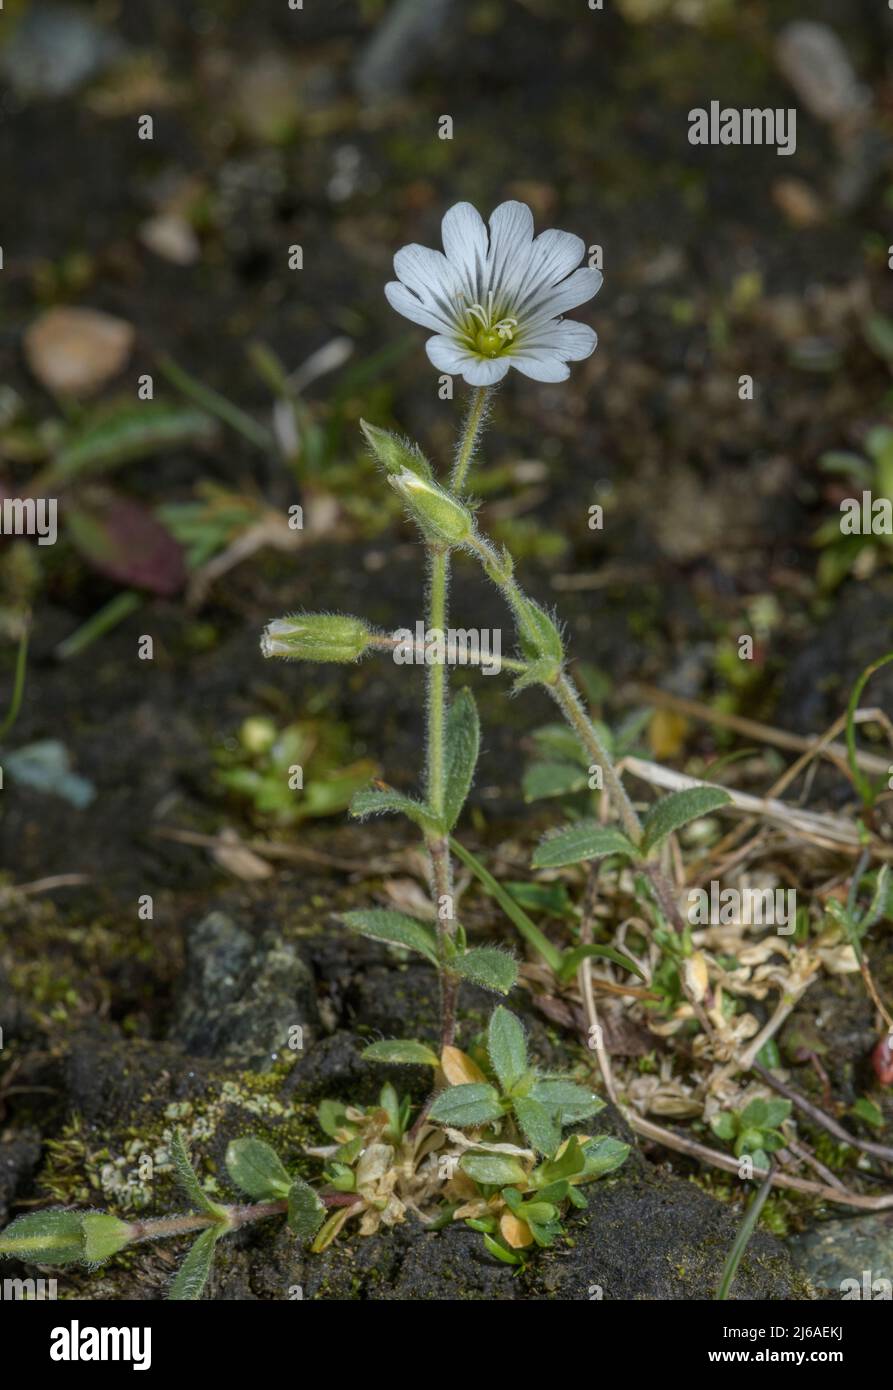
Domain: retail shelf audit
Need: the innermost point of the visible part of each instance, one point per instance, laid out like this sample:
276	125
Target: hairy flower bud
316	637
440	516
395	454
539	638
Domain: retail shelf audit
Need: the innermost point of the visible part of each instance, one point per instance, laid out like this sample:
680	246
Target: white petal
511	242
485	371
541	366
434	282
447	355
465	243
411	307
553	256
567	339
550	302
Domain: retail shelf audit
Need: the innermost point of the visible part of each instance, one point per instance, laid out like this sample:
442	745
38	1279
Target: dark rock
240	999
839	1250
19	1154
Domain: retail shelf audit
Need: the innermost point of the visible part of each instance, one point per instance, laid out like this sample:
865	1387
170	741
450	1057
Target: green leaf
502	1252
555	1170
489	967
530	932
580	841
602	1155
381	801
756	1114
507	1047
724	1126
124	434
464	1107
193	1273
492	1170
537	1124
396	1051
186	1176
257	1169
104	1236
572	960
572	1102
869	1111
776	1111
395	928
677	809
52	1237
556	742
306	1212
461	744
542	780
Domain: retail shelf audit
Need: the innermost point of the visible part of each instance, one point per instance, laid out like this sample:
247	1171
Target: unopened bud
316	637
393	453
539	638
440	515
104	1236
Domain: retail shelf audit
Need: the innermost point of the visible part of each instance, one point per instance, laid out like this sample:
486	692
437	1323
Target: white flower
494	301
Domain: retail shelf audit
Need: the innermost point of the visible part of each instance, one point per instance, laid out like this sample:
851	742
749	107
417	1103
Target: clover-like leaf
394	928
257	1169
466	1107
488	967
582	841
678	809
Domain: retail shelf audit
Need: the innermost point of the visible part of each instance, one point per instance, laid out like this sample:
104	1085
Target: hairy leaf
677	809
572	1102
493	1170
466	1106
186	1176
306	1212
489	967
193	1273
397	1051
396	928
52	1237
580	841
462	743
257	1169
382	801
537	1124
572	960
507	1046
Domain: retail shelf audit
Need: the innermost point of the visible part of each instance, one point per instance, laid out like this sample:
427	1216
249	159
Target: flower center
488	334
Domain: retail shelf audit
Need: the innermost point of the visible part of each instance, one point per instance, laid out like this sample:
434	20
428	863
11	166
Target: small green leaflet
677	809
194	1271
580	841
395	928
544	779
104	1236
570	1101
488	967
462	742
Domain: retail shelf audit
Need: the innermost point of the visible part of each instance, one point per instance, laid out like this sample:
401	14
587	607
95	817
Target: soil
116	1026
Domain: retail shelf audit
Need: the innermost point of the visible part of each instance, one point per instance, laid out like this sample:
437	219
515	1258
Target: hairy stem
565	694
474	421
